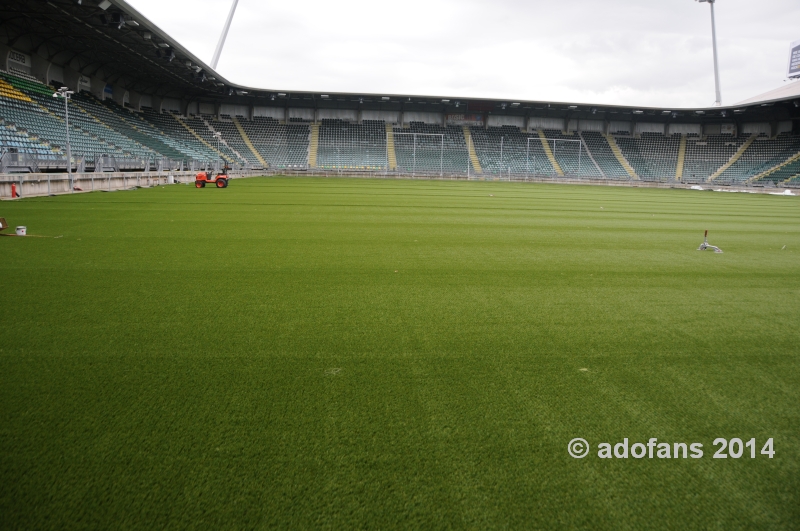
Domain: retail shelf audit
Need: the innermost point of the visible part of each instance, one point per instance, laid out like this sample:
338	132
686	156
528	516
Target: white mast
222	37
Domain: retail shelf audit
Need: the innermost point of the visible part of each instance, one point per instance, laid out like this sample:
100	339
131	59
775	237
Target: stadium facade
143	101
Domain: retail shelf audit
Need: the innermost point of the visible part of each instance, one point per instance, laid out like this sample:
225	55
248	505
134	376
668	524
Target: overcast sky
636	52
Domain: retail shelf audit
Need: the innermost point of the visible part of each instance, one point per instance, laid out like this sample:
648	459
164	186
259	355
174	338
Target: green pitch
379	354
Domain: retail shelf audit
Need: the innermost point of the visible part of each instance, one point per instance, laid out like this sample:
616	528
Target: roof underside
121	46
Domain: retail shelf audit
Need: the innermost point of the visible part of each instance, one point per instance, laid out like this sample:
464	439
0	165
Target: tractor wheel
222	183
199	184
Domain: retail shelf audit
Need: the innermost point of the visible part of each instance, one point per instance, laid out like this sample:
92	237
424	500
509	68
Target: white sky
635	52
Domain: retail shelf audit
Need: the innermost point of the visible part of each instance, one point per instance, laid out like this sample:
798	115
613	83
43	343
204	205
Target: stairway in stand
473	156
681	158
391	156
549	153
620	157
313	145
249	144
736	156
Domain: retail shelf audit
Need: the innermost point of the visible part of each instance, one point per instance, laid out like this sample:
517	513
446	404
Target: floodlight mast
65	93
223	36
718	101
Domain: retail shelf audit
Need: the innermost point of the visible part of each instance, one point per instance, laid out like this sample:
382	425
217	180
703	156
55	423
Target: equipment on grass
220	180
704	246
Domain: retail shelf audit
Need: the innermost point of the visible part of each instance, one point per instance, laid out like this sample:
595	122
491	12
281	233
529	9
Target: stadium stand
234	140
653	156
704	155
603	156
201	126
282	146
763	154
172	127
519	155
344	145
571	155
31	122
430	148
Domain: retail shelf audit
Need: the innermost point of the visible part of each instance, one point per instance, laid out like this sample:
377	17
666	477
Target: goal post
419	152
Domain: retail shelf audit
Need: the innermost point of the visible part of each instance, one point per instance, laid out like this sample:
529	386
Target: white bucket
22	231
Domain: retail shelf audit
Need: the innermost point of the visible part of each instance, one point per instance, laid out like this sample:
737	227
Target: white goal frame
414	148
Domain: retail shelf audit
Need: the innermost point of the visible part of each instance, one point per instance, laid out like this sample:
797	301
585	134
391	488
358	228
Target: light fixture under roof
445	101
385	98
324	96
105	4
666	112
572	107
515	104
699	112
638	111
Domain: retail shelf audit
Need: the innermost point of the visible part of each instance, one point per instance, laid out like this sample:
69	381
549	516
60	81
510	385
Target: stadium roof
112	40
788	91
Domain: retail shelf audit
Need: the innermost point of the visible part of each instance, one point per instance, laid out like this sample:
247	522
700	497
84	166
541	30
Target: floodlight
105	4
718	101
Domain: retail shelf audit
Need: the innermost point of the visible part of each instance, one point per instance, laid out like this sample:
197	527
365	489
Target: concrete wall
40	184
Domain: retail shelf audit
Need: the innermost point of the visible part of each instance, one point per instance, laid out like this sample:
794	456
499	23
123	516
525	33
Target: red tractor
220	180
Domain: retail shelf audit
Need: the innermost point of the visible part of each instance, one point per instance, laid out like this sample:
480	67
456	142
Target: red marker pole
14	191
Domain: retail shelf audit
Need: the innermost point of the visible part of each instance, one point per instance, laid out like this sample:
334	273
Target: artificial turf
379	354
